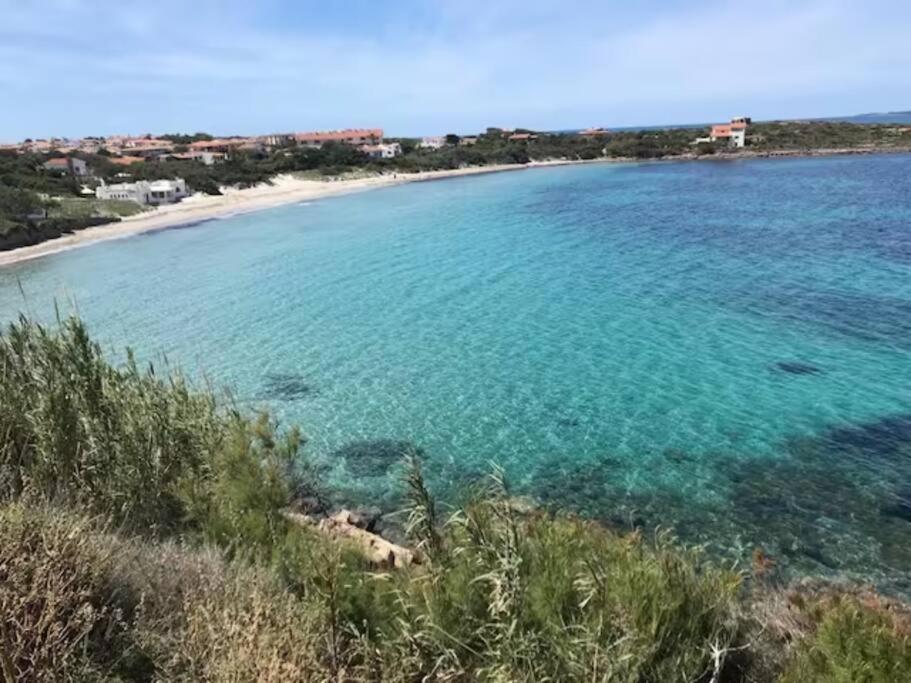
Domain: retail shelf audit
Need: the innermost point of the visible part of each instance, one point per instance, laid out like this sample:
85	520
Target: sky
71	68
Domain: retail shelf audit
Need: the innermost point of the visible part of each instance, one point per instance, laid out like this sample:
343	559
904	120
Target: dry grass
60	617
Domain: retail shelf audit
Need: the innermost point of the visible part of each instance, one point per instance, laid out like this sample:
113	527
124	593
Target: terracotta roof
143	142
195	155
339	135
126	161
594	131
522	136
59	162
218	142
721	130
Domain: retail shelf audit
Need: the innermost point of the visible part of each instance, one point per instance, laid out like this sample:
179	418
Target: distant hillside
903	117
887	117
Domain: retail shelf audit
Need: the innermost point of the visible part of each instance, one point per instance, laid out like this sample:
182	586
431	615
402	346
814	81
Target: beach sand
284	189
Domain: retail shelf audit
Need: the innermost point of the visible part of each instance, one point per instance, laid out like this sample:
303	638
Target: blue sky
414	67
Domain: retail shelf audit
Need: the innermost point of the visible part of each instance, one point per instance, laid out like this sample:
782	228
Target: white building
207	158
167	191
734	133
144	192
388	150
434	142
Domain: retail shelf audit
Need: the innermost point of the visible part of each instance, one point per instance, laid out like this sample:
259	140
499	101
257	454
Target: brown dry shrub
226	622
60	618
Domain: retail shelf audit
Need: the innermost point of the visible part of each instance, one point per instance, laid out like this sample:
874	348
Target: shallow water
723	348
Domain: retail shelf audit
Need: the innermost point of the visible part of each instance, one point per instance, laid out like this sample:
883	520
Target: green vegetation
181	139
72	207
854	641
144	536
37	205
812	135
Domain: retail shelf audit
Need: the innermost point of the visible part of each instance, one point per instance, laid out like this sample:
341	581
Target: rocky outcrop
348	525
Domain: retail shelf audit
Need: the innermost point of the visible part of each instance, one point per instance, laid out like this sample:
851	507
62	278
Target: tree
16	204
408	145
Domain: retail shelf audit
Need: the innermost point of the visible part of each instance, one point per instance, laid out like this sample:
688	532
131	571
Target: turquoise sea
722	349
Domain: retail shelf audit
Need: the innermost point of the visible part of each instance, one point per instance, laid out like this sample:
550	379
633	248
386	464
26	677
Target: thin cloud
421	67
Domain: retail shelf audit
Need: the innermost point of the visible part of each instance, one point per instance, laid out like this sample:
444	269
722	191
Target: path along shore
287	189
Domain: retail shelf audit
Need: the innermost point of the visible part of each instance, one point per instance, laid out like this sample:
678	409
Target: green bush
520	596
147	451
853	644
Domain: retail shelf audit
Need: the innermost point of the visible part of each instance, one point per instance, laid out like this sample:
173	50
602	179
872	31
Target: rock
367	518
286	386
795	368
523	505
375	458
309	505
899	506
371	519
342	525
567	422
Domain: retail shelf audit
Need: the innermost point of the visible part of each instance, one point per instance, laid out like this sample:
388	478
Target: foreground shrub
147	451
230	623
518	596
80	604
60	615
853	643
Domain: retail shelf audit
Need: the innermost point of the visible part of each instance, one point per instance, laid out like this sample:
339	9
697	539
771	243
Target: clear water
722	348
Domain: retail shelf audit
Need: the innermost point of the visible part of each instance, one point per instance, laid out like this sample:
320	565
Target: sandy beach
284	189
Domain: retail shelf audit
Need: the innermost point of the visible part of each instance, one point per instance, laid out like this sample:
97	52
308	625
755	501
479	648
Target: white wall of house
167	191
208	158
144	192
388	150
432	142
79	167
134	192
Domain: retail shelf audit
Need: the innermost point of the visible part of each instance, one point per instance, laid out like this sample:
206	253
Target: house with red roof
350	136
70	165
734	133
126	160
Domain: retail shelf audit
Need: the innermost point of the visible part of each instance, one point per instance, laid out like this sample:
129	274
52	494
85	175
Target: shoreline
286	189
198	208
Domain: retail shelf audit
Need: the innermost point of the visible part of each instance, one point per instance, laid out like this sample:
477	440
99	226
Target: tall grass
142	538
147	451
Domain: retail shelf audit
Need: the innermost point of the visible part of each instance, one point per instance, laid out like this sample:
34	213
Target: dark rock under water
886	437
286	387
865	317
899	506
567	422
796	368
375	458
